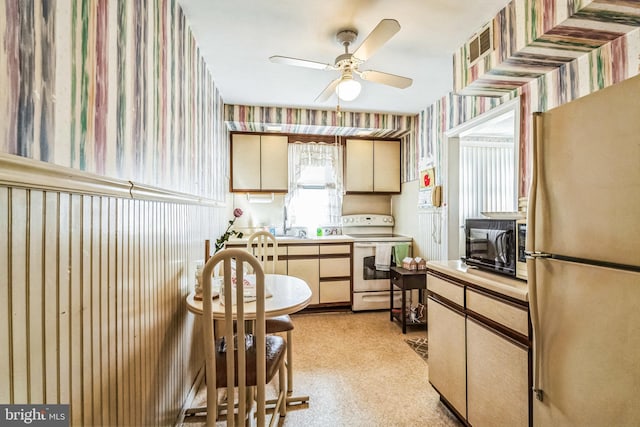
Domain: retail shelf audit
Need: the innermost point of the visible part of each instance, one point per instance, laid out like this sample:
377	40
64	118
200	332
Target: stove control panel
361	220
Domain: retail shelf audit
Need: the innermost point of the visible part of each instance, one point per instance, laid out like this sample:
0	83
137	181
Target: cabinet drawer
335	249
335	267
338	291
450	291
303	250
507	315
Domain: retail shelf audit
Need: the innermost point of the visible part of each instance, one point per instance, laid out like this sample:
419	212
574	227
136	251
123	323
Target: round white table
288	295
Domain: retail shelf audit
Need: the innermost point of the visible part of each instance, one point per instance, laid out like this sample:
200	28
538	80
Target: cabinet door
245	162
309	271
447	365
274	163
280	266
386	166
497	376
281	263
359	165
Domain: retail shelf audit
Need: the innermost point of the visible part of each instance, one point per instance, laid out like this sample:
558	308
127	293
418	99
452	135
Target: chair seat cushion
278	324
275	349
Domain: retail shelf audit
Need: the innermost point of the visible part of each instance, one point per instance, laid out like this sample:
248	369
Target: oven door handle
364	245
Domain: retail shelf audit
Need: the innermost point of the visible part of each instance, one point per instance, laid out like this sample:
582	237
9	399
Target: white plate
504	215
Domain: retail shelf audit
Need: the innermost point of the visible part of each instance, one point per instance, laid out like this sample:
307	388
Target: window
487	176
315	185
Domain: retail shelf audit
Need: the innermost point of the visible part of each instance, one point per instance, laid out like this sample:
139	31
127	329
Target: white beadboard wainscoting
430	239
92	294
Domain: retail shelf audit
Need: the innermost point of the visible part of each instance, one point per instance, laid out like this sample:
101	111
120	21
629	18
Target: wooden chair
264	244
229	363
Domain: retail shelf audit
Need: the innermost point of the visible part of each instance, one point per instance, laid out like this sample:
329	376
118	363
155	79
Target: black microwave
496	245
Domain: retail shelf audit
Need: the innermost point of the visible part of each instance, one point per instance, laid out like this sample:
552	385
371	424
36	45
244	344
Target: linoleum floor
358	371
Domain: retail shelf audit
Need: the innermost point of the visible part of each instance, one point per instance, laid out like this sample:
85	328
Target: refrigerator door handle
535	326
536	255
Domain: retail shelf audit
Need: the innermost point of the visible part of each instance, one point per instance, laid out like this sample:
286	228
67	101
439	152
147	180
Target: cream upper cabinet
359	165
386	166
245	162
372	166
273	158
259	163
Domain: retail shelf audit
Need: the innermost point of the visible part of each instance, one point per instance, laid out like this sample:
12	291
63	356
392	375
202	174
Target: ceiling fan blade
379	36
386	79
328	91
301	63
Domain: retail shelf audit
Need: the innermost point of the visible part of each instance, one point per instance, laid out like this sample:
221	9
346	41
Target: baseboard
188	402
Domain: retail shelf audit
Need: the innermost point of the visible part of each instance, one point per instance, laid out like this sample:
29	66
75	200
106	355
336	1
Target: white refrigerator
583	237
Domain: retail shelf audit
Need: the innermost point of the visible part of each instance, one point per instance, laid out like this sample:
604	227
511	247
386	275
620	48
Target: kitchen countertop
504	285
296	240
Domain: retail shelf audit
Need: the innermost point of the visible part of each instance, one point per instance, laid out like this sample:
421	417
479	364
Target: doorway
482	158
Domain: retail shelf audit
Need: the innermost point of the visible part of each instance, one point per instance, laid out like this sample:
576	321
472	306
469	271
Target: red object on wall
428	178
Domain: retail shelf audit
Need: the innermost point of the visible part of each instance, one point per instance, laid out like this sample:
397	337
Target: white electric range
371	232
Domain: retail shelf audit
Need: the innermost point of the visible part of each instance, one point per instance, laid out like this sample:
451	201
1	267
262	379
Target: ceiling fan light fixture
348	89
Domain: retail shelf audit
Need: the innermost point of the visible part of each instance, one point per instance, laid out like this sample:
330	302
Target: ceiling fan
346	86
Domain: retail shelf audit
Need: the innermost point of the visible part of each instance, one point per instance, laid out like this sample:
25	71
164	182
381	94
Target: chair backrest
234	316
264	244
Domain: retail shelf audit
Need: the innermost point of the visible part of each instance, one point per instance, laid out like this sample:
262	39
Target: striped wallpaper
317	122
595	70
113	87
535	37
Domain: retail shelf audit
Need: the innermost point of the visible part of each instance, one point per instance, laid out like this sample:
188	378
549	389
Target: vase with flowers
222	240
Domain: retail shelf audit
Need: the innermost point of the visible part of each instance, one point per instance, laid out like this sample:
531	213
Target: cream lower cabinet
281	262
497	381
447	364
303	262
335	273
479	352
325	267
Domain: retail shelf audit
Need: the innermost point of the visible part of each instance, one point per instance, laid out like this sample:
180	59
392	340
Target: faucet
284	221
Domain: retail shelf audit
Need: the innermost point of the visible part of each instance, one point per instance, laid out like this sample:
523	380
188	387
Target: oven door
365	276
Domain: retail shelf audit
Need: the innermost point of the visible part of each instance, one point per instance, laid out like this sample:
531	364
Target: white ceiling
237	37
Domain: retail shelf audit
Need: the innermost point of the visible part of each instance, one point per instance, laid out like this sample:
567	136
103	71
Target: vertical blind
487	177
